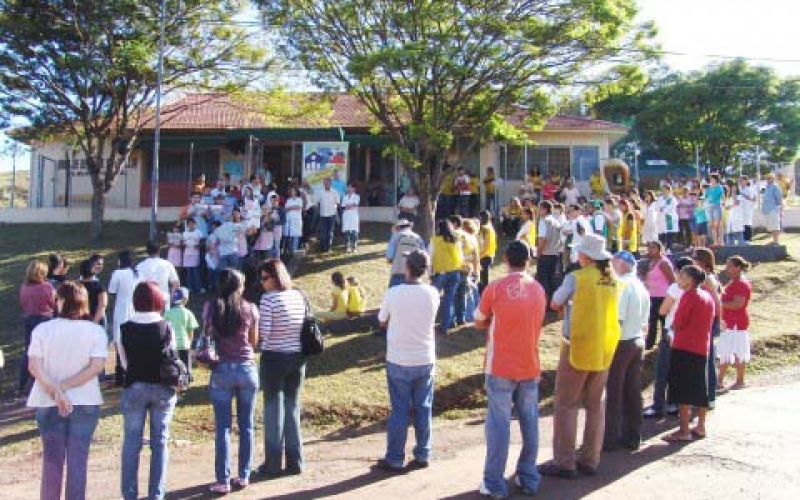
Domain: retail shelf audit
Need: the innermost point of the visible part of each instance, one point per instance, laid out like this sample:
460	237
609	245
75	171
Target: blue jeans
397	279
65	438
282	377
194	279
410	387
524	395
229	381
736	238
326	225
449	283
351	239
139	400
467	299
662	371
230	261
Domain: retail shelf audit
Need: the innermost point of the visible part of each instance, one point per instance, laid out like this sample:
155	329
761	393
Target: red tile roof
217	111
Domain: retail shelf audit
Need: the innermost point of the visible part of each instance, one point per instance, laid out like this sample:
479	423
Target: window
586	159
512	163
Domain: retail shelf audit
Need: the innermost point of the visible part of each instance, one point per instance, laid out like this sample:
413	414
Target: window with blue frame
585	160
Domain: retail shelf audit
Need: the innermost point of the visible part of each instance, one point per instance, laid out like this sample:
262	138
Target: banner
325	159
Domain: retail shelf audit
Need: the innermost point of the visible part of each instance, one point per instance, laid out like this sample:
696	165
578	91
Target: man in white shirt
548	249
748	203
159	270
409	312
577	226
623	388
328	200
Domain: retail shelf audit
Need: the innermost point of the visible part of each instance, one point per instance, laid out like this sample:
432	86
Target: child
734	343
687	379
192	238
700	224
356	302
183	324
339	297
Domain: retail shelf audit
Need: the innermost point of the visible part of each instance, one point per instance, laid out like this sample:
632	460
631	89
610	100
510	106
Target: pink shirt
37	299
657	281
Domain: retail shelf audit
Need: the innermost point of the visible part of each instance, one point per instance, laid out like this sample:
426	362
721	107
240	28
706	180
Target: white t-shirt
571	195
328	201
66	347
162	272
674	291
411	312
123	283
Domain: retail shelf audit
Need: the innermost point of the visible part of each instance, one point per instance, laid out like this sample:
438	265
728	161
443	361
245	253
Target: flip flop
697	434
736	387
675	437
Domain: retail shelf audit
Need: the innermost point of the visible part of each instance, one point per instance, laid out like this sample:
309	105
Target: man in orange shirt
512	309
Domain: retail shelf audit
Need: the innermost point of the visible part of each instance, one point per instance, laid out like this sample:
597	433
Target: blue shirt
714	195
633	307
772	199
340	186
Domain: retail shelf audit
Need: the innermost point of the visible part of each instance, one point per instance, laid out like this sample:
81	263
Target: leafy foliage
430	69
725	110
87	70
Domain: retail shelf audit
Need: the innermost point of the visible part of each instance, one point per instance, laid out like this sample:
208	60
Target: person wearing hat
403	241
512	309
591	331
624	386
408	311
184	323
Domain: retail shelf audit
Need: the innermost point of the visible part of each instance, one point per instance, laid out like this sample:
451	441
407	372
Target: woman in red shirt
38	300
734	343
687	379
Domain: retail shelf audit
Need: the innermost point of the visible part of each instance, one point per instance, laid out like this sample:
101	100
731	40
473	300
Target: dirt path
751	452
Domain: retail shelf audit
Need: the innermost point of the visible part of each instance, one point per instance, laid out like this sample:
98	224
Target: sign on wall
324	159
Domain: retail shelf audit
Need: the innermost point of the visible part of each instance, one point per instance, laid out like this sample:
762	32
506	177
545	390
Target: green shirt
183	323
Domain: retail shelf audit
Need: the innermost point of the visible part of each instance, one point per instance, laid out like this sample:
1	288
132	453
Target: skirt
687	379
733	346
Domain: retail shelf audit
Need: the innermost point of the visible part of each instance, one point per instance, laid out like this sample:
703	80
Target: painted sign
325	159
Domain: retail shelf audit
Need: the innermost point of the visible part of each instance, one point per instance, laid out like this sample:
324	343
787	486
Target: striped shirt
282	314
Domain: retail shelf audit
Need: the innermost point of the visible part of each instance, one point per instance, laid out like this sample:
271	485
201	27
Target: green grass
345	391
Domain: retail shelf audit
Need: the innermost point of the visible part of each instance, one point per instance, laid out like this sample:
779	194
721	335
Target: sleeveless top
657	282
594	326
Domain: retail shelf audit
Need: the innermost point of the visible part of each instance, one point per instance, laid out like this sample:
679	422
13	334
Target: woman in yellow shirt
446	261
487	237
339	297
510	217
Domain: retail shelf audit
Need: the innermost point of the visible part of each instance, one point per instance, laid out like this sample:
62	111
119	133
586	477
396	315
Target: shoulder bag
311	336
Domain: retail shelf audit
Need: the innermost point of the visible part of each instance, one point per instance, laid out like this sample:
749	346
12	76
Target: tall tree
87	70
430	69
724	111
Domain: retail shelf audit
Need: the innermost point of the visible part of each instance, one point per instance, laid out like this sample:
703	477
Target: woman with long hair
66	355
143	340
283	366
232	323
446	261
734	342
57	269
38	300
123	282
705	260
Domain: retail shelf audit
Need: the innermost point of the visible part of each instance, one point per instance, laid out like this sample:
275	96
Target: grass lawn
345	389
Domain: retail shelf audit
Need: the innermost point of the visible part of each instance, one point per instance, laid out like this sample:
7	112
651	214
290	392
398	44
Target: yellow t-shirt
596	184
488	184
474	184
447	256
449	184
356	303
340	297
488	241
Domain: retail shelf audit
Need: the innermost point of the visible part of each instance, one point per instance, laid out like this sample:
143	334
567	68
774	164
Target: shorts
701	228
714	213
773	220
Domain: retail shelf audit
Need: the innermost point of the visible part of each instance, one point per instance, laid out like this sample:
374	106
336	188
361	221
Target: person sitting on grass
688	381
339	296
356	301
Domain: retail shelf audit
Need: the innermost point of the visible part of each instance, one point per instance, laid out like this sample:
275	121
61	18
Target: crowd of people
587	268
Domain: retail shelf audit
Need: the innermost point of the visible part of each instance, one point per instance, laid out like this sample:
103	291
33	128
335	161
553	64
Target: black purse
312	339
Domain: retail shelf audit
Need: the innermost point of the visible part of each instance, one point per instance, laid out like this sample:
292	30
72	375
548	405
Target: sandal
736	387
220	489
676	437
696	434
240	483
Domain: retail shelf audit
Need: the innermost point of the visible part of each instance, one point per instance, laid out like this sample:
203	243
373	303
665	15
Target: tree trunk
427	205
98	211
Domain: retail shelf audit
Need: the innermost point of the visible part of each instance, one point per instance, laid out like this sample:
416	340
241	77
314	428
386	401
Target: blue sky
695	30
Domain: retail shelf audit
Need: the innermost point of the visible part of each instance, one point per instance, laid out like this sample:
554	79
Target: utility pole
157	132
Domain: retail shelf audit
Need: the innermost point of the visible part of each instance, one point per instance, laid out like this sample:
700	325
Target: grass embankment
345	389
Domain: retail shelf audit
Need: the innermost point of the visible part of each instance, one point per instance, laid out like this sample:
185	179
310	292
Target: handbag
312	339
206	352
172	372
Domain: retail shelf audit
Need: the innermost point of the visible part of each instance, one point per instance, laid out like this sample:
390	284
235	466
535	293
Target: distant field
21	197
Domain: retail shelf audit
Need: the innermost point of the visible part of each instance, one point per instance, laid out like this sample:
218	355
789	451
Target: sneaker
484	492
386	466
524	491
418	464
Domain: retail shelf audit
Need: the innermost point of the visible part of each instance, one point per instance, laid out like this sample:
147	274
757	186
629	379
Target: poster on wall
235	168
325	159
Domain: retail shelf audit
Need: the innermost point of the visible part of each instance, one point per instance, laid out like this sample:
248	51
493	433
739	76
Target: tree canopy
725	111
428	70
87	70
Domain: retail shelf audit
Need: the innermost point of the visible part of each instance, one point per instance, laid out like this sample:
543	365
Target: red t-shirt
692	323
515	305
736	318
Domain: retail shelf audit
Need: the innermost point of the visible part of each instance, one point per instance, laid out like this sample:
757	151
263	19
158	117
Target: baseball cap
626	256
180	294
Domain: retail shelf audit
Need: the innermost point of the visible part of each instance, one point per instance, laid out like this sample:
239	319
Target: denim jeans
662	371
282	377
138	401
501	393
193	279
351	240
448	282
326	225
736	238
410	388
229	381
230	261
65	438
465	301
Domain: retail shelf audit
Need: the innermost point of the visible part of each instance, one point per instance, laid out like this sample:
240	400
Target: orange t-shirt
515	306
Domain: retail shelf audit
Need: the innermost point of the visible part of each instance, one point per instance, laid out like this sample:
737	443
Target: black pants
25	378
486	263
655	319
546	274
184	355
748	234
685	230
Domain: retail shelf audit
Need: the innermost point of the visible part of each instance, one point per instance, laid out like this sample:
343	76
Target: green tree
86	70
724	111
430	69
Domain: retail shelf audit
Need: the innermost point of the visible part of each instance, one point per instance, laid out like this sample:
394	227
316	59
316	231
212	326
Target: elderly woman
283	368
66	355
37	298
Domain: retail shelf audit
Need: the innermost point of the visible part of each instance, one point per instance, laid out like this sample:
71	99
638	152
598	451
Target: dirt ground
751	452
